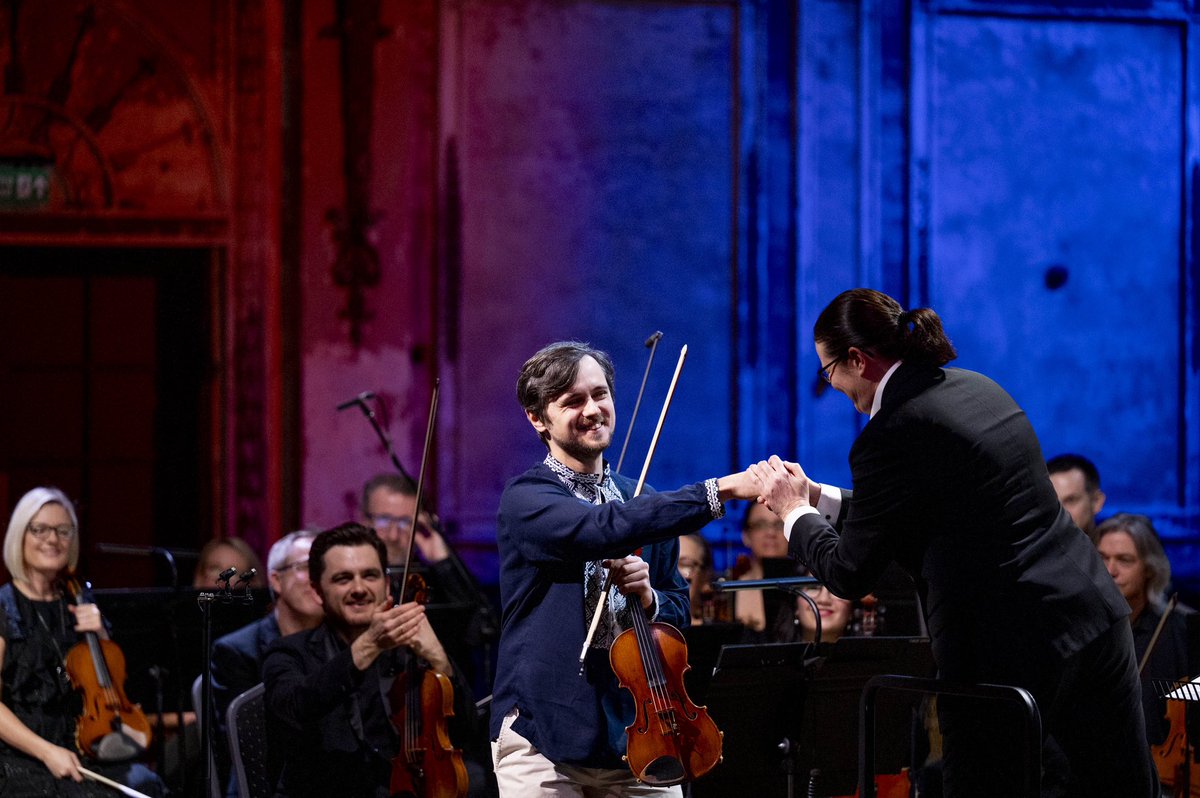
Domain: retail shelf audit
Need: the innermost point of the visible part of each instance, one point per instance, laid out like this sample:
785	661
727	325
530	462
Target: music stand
829	734
755	697
704	644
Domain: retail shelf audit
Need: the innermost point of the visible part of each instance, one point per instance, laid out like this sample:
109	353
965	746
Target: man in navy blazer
561	524
950	482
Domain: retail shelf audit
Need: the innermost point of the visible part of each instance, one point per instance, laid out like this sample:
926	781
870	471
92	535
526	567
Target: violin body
432	766
111	728
428	765
1173	757
671	740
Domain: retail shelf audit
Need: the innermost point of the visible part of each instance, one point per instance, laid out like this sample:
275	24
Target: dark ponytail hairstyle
874	322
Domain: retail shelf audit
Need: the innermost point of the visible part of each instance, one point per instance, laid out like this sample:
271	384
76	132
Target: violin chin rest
117	747
663	772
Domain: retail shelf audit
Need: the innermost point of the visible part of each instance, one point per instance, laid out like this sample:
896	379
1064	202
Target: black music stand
704	644
756	698
829	735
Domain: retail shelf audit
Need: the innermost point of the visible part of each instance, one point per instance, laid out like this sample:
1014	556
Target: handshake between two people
780	485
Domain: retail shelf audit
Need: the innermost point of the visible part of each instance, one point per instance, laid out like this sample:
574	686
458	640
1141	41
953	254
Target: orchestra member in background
38	706
695	566
763	613
562	525
326	687
1077	482
950	483
237	657
387	505
1134	556
837	615
221	553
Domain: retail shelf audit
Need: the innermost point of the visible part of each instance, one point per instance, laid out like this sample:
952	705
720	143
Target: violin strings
651	666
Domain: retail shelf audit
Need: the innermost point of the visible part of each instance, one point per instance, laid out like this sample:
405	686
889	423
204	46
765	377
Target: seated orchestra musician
1134	555
696	567
837	615
220	554
387	505
237	658
326	687
39	625
764	613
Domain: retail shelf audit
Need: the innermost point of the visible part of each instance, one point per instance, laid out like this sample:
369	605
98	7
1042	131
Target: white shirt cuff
830	503
793	516
829	506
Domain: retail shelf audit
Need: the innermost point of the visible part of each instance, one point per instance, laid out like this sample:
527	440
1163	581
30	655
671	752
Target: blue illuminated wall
720	170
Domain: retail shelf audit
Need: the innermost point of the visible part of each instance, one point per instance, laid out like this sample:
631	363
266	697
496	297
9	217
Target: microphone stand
384	438
487	616
168	555
225	595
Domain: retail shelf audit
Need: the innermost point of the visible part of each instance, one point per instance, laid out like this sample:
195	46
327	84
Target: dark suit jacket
237	662
545	535
331	721
950	482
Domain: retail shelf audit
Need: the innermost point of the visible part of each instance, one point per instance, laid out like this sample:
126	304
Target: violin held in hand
428	765
111	728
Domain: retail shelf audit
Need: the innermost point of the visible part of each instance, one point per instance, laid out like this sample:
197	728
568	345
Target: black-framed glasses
830	367
381	521
42	531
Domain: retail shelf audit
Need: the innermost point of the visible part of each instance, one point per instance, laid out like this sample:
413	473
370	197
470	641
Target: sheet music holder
829	730
705	642
763	696
755	697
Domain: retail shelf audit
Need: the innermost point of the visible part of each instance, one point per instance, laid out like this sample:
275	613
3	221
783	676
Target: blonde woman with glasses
38	625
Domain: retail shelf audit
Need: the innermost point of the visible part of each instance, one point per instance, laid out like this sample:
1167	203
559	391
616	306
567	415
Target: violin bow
412	536
1157	631
652	345
116	785
641	483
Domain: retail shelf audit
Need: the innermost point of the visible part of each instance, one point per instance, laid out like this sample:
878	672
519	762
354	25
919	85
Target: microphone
358	400
653	339
227	574
246	576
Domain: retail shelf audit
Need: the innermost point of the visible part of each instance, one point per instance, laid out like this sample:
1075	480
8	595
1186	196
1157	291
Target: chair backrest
247	723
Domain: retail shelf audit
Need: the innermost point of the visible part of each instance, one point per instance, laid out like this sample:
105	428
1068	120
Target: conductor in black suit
950	482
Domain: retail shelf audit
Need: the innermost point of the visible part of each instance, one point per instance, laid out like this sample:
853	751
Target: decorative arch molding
92	89
160	126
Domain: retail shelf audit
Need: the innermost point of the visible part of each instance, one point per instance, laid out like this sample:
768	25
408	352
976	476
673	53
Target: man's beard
581	450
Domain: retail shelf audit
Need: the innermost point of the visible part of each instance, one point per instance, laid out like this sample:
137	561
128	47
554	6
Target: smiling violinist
562	524
325	687
39	709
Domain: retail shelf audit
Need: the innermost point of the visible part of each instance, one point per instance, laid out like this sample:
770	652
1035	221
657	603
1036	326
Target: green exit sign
25	185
